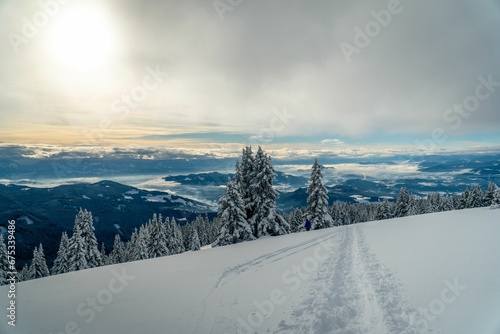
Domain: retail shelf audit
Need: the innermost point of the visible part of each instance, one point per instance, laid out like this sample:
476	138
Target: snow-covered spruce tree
77	251
140	250
405	205
424	205
157	243
175	236
105	258
235	227
447	204
203	225
215	227
244	178
117	255
24	274
195	241
384	210
464	199
38	268
4	263
476	197
296	220
490	194
317	201
265	221
130	246
336	214
187	231
85	223
495	202
439	203
61	263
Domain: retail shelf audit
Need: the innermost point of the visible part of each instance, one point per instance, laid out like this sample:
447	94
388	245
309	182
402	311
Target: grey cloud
267	55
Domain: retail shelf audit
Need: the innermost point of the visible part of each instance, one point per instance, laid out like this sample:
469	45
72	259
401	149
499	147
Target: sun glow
82	38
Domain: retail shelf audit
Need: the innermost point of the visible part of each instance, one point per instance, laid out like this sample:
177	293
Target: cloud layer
236	75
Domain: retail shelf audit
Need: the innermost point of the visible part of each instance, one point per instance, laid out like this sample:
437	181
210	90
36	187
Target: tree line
247	211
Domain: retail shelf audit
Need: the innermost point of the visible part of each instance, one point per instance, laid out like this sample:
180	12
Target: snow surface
132	192
27	220
435	273
156	198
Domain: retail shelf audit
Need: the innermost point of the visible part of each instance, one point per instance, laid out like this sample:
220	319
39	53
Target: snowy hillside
436	273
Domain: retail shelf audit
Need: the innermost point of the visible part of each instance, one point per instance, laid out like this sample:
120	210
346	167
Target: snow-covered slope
436	273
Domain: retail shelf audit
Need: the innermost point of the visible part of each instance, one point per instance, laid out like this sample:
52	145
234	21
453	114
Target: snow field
435	273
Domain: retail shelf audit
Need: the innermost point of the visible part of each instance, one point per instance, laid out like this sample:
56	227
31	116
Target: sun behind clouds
82	38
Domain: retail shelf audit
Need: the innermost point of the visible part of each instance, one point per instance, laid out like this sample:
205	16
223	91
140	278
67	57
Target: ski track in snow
235	271
352	294
269	258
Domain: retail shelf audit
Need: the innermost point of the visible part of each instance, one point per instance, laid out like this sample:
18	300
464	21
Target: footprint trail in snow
352	293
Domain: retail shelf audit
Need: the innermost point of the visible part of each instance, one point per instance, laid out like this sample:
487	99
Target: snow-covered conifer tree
465	199
490	194
85	224
265	221
244	179
157	243
425	205
77	251
447	204
130	246
296	220
335	213
317	201
61	264
140	250
495	202
105	258
195	241
117	254
200	226
384	210
24	274
476	197
38	268
94	258
405	205
235	227
175	237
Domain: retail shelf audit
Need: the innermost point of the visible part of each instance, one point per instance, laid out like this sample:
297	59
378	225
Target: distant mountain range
220	179
42	214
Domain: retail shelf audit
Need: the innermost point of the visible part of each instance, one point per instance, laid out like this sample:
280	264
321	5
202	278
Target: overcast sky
268	72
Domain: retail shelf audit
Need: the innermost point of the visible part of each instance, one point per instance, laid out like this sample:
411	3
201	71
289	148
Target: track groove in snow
357	294
271	257
234	272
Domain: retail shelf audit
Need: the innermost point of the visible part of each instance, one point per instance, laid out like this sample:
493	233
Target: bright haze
326	75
